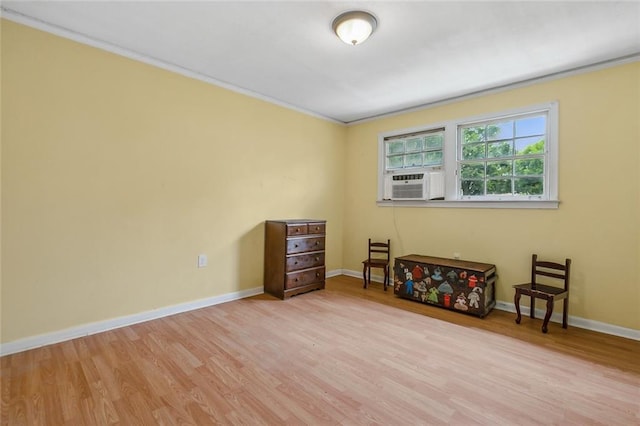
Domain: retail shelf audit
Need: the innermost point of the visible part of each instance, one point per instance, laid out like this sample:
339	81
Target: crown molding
130	54
627	59
118	50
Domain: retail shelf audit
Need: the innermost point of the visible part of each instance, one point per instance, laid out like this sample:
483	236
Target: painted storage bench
459	285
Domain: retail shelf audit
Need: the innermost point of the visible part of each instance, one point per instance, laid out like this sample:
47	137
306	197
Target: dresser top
290	221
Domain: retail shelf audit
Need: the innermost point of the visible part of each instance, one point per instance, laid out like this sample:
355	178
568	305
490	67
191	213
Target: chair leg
532	312
364	276
386	277
516	301
547	315
565	306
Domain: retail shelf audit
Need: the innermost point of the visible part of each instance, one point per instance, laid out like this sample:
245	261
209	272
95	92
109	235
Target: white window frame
424	150
451	164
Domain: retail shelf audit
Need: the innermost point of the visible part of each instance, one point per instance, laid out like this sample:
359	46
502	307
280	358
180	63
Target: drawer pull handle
317	243
317	259
297	229
296	262
296	245
317	274
296	280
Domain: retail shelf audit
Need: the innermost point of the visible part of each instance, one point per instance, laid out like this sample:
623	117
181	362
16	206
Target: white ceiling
285	52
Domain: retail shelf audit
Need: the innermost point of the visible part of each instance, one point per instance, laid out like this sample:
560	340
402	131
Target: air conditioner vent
415	186
408	187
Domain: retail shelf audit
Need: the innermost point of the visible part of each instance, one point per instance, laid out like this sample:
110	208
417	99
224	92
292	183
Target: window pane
491	132
395	147
527	146
531	126
530	166
499	186
412	160
472	187
500	131
473	152
415	144
529	186
432	158
472	170
434	141
473	134
395	162
499	149
499	168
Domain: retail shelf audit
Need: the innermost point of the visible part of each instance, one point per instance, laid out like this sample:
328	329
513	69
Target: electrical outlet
202	260
456	255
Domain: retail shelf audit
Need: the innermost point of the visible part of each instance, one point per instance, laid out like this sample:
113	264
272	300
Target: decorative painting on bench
449	283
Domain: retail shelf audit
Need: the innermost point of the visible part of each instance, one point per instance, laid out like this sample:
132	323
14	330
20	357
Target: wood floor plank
340	356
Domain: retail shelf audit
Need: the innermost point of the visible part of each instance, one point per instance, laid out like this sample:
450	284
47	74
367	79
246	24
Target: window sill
537	204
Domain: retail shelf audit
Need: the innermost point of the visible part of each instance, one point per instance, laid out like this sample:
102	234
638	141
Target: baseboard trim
111	324
573	321
33	342
334	273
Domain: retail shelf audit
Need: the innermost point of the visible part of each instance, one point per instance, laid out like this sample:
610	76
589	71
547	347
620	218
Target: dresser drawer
317	228
297	229
300	245
305	261
308	276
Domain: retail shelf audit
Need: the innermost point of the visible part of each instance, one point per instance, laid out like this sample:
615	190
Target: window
498	160
503	158
421	149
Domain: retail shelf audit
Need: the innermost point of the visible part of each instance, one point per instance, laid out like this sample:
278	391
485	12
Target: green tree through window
505	158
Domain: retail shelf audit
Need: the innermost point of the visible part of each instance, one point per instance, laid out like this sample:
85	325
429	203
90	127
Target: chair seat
375	262
541	289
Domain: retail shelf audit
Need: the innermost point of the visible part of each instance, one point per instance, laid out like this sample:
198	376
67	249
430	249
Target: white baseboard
351	273
333	273
573	321
111	324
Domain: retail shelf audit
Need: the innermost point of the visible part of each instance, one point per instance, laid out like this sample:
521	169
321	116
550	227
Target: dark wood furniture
459	285
379	257
536	290
294	256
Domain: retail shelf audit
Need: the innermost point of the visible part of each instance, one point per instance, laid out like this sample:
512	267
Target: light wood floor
588	345
339	356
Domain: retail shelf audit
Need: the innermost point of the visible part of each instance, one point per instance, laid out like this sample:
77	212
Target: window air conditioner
414	186
409	187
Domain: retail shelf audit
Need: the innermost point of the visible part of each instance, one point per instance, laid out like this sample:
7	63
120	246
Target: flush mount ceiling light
355	26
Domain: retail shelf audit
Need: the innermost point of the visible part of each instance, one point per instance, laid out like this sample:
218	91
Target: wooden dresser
293	256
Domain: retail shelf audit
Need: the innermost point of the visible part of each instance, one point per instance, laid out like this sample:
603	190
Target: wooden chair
546	292
379	257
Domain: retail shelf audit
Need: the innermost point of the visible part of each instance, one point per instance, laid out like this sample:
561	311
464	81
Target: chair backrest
379	250
550	269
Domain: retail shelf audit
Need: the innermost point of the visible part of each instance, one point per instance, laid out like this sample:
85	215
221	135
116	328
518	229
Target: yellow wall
597	223
1	22
116	175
